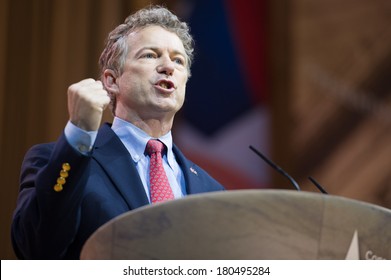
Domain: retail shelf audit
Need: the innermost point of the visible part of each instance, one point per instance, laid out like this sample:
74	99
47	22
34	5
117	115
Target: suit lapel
191	172
114	158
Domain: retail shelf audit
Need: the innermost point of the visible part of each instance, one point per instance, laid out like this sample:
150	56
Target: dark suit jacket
101	186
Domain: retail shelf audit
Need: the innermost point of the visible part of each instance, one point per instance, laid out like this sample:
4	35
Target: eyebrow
156	49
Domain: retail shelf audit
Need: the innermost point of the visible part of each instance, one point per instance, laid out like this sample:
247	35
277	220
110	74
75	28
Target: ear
110	81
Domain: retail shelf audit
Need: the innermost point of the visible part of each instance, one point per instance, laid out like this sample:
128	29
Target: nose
166	66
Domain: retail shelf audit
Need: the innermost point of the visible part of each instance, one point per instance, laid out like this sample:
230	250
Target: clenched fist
87	100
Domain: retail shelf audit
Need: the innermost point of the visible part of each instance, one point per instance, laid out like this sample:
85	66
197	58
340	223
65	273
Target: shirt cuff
79	139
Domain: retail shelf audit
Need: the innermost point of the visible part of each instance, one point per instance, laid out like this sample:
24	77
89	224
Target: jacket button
58	187
61	180
66	166
64	173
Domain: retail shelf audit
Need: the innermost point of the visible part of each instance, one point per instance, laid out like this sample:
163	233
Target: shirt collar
135	139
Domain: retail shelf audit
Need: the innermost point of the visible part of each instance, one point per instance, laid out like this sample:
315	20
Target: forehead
154	37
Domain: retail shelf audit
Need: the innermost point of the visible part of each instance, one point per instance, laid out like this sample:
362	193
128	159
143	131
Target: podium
247	224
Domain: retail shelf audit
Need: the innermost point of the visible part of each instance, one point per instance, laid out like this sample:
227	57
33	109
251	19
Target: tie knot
154	146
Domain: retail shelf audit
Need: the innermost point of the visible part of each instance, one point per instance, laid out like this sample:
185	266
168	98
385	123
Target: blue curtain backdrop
226	104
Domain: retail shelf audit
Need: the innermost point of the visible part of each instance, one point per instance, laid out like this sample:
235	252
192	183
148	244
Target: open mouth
165	84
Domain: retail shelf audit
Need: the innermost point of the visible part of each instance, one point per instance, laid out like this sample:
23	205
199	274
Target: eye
149	55
179	60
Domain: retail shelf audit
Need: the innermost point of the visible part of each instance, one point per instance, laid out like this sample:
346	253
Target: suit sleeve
45	221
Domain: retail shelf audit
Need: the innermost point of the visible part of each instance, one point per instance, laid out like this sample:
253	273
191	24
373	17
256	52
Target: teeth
164	85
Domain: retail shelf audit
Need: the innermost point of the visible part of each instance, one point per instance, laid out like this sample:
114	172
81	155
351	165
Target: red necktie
159	185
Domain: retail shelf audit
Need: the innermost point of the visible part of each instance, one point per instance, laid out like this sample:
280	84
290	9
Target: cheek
182	88
130	82
181	95
182	81
133	74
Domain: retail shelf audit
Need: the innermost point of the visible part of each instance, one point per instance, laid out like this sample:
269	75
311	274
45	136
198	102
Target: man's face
153	81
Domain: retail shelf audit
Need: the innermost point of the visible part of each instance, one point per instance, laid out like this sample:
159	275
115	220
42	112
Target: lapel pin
193	170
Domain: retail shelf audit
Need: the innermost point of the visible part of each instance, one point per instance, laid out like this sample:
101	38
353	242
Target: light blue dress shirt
135	141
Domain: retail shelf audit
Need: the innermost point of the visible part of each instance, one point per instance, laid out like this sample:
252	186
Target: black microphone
322	190
276	167
279	169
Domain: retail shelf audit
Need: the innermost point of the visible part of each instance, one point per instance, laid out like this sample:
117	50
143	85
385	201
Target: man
71	187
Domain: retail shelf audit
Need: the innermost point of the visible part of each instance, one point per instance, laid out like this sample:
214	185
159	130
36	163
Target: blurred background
304	81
